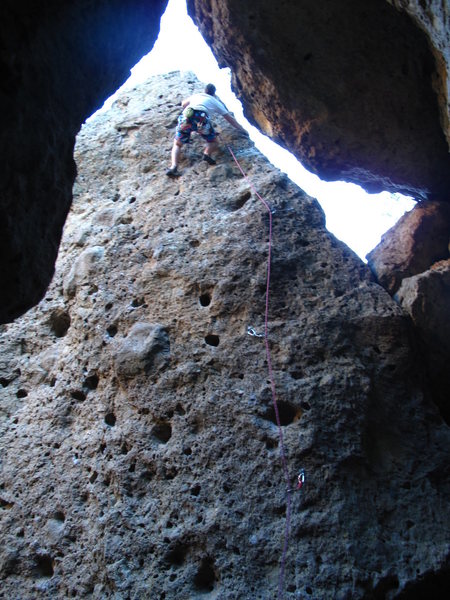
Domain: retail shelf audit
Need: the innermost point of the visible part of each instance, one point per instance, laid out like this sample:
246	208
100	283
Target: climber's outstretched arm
228	117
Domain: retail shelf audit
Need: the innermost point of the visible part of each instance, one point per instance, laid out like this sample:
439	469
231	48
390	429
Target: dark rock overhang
350	87
59	61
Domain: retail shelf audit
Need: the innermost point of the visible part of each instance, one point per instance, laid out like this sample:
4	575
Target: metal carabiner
251	331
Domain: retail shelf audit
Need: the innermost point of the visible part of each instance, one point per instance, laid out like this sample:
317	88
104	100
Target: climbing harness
251	331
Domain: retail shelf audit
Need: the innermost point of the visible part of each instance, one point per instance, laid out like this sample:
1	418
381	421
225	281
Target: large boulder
426	297
420	238
412	264
356	90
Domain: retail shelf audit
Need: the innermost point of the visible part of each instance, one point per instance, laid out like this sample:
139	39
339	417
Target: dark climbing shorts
198	122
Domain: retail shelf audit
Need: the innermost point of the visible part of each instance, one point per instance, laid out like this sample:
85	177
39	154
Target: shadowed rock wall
413	263
351	88
140	456
58	62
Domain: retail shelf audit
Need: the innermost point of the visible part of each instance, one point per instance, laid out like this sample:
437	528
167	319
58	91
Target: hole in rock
138	302
124	448
212	340
78	395
59	516
205	299
170	473
287	413
205	577
5	504
241	200
195	490
111	330
110	419
271	444
147	475
194	243
44	565
162	432
59	322
176	556
22	393
91	382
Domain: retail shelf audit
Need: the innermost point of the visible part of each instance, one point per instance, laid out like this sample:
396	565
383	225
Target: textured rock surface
419	239
427	299
412	263
433	17
351	88
58	62
150	468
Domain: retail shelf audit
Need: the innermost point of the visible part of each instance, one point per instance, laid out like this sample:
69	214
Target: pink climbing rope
274	394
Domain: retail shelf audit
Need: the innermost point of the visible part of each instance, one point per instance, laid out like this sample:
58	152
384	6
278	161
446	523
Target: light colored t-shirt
213	106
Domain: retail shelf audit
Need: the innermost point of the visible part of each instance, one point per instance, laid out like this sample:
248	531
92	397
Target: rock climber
196	116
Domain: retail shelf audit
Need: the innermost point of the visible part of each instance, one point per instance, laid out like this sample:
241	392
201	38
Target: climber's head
210	89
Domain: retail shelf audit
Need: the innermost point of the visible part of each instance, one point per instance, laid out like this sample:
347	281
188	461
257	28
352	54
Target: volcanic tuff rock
427	299
420	238
140	456
358	90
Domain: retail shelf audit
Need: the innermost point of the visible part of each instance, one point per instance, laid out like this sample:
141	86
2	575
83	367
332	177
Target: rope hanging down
274	395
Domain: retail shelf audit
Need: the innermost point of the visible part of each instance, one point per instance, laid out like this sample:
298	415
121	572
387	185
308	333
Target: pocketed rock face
140	456
356	90
59	61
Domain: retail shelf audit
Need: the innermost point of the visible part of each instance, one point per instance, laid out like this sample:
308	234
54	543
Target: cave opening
354	216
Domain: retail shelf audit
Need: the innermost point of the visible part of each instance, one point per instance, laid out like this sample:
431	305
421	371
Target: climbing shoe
172	172
208	159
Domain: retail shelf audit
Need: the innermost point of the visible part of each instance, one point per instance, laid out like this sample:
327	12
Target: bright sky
357	218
